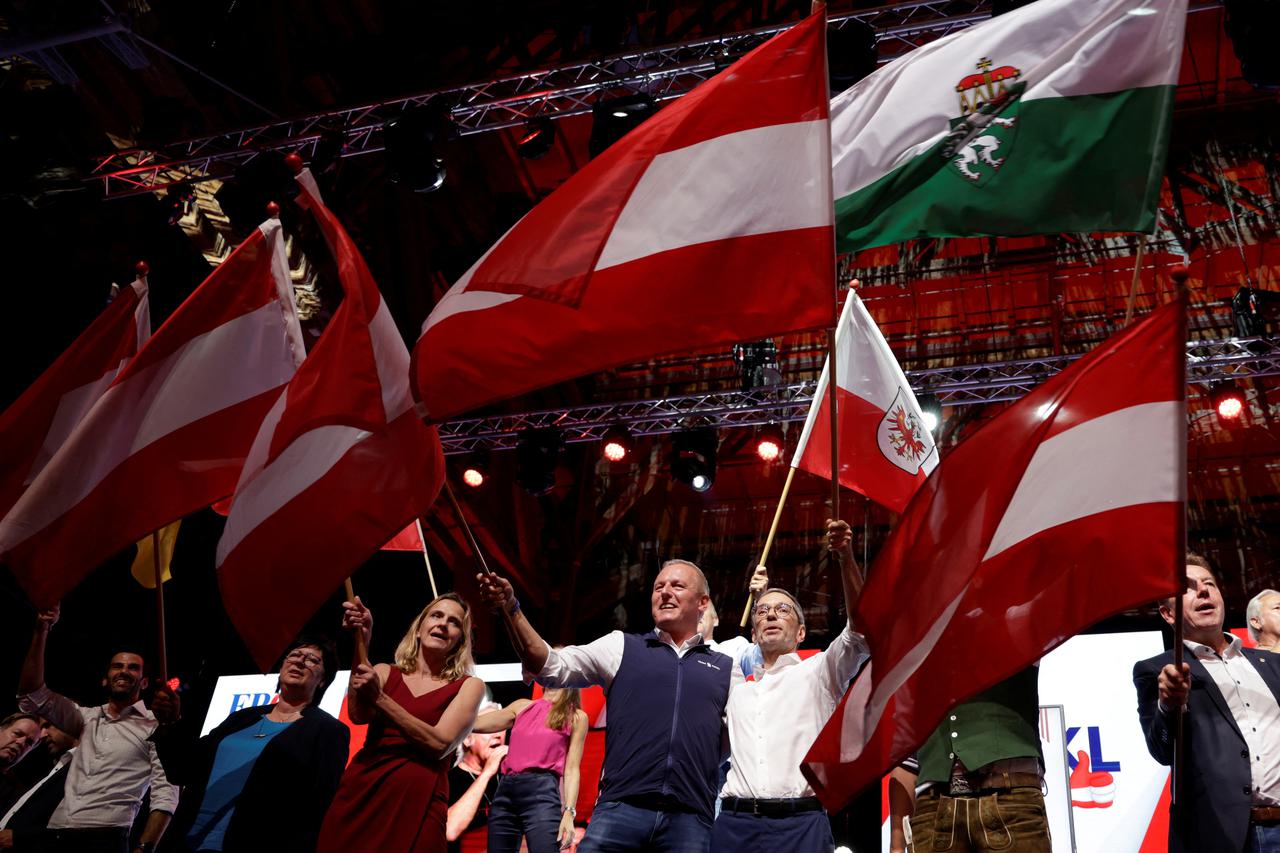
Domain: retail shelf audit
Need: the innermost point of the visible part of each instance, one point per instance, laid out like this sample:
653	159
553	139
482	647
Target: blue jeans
1263	839
528	805
808	832
621	828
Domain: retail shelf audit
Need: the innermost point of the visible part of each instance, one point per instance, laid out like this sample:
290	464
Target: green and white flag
1051	118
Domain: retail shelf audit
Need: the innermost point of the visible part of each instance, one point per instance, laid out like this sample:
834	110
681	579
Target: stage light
1228	401
536	140
757	364
930	411
476	469
536	452
412	140
693	457
769	443
614	118
617	443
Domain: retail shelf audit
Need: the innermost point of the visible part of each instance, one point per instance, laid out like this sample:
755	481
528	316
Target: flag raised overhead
170	434
1052	117
1065	509
340	463
38	422
710	223
886	451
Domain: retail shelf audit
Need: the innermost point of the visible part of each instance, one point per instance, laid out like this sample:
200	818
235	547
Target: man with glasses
775	716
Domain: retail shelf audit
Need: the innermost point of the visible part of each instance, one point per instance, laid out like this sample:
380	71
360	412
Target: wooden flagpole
362	654
1180	556
426	558
462	519
1137	276
162	656
768	542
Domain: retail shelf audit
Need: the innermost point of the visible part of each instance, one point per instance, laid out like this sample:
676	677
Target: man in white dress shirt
775	716
116	762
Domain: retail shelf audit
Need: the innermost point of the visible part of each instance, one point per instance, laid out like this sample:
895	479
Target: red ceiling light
1228	401
769	443
617	443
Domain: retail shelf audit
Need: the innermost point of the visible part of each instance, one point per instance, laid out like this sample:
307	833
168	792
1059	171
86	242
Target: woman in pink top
538	779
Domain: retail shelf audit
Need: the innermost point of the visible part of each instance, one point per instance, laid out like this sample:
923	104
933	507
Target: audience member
1230	696
395	795
1263	619
473	782
260	763
24	816
18	733
116	763
538	780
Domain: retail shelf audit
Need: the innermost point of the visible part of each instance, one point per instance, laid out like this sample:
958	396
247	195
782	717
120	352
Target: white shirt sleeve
582	666
842	658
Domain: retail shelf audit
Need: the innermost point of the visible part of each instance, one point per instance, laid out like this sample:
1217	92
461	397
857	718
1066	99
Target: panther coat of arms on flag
981	137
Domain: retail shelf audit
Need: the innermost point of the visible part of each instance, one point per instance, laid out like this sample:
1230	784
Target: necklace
262	722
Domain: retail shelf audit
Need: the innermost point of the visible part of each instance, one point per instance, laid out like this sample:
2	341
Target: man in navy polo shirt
666	692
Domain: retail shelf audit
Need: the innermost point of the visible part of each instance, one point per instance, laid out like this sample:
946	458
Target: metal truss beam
661	72
963	385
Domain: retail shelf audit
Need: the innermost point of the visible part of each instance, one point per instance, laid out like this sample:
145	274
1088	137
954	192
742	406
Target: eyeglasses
781	608
307	660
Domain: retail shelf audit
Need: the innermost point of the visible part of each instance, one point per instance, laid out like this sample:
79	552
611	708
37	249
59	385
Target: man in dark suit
1230	793
25	808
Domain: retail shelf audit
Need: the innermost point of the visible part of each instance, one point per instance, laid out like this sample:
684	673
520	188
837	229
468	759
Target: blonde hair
563	708
458	663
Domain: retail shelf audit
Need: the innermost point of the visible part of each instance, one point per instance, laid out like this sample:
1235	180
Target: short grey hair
1254	611
702	577
795	603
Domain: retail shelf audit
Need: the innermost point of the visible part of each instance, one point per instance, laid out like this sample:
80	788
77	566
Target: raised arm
840	541
437	740
501	719
529	645
463	810
32	677
33	696
572	778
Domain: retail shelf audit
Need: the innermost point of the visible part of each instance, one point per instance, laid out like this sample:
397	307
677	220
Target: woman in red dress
394	795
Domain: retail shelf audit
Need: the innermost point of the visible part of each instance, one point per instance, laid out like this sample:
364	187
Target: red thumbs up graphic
1091	790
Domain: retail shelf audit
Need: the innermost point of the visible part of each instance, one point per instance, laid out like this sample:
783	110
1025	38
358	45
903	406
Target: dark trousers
738	832
106	840
1012	819
525	805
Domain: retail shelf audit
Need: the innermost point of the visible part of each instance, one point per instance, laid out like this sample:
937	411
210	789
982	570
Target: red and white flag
409	539
709	223
38	422
886	451
1063	510
169	435
340	463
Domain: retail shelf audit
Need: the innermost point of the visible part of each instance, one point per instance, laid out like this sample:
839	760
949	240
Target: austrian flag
710	223
1065	509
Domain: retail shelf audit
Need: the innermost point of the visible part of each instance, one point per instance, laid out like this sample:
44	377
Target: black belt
107	833
771	807
1265	815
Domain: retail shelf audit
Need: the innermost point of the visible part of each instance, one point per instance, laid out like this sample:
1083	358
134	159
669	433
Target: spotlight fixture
617	443
1228	401
693	457
412	140
537	138
536	452
769	443
930	411
476	470
1250	308
614	118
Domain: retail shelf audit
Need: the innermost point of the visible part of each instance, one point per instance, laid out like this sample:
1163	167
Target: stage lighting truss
960	385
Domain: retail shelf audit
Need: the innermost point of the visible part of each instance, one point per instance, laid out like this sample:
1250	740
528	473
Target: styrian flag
340	464
710	223
1063	510
1053	117
170	434
885	449
38	422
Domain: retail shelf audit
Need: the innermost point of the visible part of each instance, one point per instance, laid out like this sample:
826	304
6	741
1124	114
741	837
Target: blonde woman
394	795
538	779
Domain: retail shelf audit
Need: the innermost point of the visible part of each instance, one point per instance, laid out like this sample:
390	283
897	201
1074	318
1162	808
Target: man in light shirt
116	761
1230	790
1263	618
775	716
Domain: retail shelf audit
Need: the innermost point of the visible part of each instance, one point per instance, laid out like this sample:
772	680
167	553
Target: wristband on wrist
514	608
570	811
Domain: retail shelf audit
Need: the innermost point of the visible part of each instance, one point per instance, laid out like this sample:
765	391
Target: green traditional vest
998	723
